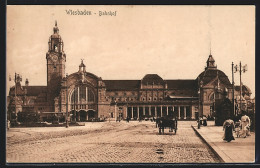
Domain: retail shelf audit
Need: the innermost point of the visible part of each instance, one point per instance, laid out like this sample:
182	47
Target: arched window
212	97
82	94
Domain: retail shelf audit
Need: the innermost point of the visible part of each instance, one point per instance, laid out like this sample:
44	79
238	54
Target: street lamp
74	104
241	69
200	85
233	91
199	111
115	112
17	78
67	122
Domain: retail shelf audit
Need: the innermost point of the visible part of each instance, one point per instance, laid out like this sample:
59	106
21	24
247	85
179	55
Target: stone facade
88	96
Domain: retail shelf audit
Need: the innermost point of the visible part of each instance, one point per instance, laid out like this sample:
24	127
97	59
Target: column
86	95
161	111
173	112
144	110
185	112
192	110
138	112
179	112
132	112
126	112
78	100
155	111
149	110
167	110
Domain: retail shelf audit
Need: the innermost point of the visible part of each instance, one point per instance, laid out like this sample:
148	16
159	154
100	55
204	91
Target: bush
26	117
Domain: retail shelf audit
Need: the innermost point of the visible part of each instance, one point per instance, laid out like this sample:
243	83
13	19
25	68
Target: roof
152	79
122	84
55	36
210	59
182	84
135	84
35	90
209	74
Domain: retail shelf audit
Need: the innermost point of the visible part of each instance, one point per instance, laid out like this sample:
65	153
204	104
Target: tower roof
211	59
211	63
82	64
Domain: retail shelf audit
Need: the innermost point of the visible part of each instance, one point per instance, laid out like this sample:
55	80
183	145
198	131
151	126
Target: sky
171	41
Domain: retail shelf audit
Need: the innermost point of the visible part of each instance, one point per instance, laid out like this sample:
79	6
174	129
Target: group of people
202	121
242	129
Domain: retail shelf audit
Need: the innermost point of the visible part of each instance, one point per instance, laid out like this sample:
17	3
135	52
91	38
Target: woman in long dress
245	123
228	128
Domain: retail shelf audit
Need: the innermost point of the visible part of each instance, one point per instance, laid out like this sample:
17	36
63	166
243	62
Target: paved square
108	142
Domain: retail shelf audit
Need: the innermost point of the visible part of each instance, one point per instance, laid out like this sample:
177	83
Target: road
107	142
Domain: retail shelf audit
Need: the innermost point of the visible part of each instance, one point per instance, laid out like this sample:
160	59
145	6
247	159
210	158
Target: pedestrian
200	119
8	124
198	122
238	128
204	120
245	124
228	128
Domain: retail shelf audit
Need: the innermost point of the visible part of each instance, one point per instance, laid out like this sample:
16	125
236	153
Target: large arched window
83	95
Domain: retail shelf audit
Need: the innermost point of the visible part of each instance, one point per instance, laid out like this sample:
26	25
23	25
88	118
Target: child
238	128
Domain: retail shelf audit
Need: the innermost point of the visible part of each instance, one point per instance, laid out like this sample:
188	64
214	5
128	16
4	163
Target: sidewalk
240	150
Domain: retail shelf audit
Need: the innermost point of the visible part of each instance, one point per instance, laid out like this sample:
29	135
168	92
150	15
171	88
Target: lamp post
241	69
233	91
17	78
67	122
74	96
200	84
115	112
199	110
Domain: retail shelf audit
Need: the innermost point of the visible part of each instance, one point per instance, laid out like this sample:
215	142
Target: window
82	93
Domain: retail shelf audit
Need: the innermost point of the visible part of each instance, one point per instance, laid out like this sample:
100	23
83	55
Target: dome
152	79
209	74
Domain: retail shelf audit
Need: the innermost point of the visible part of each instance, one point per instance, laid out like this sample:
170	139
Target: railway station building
86	95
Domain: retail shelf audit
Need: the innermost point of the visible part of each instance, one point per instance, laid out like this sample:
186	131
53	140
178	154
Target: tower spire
210	49
210	46
55	28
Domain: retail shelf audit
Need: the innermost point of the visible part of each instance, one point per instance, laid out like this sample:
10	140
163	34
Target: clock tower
56	59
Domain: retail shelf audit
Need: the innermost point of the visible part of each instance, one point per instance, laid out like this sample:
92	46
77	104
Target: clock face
54	58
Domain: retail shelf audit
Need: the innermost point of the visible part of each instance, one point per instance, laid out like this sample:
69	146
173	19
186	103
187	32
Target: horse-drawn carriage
167	122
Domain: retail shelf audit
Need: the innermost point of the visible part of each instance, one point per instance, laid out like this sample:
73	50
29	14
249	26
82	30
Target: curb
212	149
